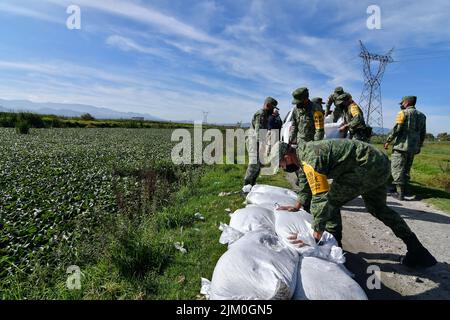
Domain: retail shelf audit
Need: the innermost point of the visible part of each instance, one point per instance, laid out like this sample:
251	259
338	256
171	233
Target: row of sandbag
262	264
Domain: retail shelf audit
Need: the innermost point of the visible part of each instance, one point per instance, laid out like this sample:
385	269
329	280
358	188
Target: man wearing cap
307	119
353	118
259	122
356	168
407	138
332	99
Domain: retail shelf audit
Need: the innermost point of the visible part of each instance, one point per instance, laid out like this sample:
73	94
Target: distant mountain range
69	110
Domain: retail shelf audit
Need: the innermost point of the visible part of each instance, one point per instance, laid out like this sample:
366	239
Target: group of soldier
354	165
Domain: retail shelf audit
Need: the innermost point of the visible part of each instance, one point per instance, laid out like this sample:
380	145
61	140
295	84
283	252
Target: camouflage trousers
401	163
254	166
371	185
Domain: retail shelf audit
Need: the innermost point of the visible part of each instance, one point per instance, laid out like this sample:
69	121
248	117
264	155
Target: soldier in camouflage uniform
353	117
407	138
356	168
307	119
332	99
307	123
260	121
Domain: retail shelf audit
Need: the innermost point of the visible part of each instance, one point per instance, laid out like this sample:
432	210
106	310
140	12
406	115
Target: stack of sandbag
262	264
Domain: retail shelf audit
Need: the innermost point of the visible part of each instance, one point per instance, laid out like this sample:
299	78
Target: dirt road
369	242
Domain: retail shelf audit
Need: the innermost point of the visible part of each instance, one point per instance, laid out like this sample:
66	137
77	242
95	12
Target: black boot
400	194
417	255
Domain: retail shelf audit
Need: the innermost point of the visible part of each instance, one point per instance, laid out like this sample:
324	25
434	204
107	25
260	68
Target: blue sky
174	59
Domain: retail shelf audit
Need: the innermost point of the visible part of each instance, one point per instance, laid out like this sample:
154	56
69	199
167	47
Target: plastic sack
319	279
229	234
288	223
252	218
332	129
264	188
257	266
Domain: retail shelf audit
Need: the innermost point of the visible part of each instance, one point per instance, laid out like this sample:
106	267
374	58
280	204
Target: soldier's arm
319	125
294	131
423	131
255	123
319	188
328	105
399	121
357	118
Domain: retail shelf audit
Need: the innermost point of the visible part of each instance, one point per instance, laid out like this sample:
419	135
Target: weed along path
369	242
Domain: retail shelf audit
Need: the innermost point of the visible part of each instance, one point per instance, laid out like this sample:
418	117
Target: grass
430	174
140	261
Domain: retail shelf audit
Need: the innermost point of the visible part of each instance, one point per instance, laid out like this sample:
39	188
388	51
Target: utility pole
370	100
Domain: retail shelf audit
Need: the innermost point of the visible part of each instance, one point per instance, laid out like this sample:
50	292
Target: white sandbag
319	279
332	129
229	234
266	199
252	218
257	266
264	188
289	223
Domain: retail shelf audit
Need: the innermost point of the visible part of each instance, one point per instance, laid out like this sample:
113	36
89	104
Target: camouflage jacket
260	121
307	124
332	159
331	99
354	117
409	131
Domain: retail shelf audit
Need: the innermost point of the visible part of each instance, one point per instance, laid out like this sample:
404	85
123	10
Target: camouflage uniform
307	124
354	117
407	137
356	169
332	99
260	121
307	121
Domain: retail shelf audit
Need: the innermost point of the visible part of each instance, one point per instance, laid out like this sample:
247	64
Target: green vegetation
430	174
106	201
11	119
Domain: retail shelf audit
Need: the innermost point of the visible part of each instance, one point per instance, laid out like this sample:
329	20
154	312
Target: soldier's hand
288	208
317	235
296	242
343	128
386	146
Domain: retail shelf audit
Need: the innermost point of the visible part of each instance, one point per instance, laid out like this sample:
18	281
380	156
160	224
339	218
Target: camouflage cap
411	99
300	94
339	90
271	101
317	100
343	98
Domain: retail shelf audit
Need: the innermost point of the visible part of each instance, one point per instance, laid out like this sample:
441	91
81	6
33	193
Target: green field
111	202
430	174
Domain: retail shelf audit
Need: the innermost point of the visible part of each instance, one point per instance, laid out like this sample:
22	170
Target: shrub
22	127
87	117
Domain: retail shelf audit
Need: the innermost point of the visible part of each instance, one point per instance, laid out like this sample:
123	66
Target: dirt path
369	242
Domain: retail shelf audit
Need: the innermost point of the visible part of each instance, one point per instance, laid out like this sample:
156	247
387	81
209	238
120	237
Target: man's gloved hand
386	145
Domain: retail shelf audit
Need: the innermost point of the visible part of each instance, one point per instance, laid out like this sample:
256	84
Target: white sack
319	279
288	223
332	129
264	188
252	218
257	266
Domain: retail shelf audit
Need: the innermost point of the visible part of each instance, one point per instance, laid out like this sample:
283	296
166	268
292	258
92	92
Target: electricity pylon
370	100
